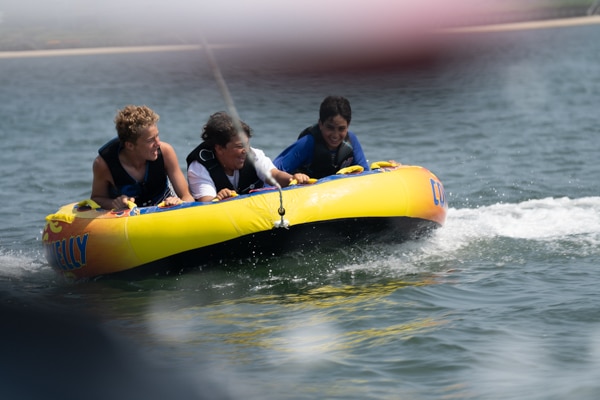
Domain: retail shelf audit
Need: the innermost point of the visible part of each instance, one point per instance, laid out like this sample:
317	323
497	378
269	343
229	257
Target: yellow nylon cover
82	240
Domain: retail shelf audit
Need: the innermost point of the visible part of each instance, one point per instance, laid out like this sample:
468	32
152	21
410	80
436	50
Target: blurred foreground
36	25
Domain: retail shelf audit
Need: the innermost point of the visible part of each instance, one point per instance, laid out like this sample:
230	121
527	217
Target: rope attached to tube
238	126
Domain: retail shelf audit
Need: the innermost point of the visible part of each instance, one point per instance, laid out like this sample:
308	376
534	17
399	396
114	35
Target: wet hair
335	105
220	130
131	119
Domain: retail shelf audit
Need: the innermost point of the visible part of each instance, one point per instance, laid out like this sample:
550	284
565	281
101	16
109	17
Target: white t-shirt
201	184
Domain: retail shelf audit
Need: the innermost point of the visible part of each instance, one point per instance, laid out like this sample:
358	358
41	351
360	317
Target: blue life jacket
325	162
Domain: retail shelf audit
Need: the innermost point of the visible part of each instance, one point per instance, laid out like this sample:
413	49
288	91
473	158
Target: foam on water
563	224
16	264
549	218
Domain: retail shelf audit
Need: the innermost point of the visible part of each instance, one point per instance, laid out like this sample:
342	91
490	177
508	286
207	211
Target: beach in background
35	25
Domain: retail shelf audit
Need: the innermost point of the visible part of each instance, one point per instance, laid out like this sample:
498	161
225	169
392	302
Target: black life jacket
325	162
248	181
151	191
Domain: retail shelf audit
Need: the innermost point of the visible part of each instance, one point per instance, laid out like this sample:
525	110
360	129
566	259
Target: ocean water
502	302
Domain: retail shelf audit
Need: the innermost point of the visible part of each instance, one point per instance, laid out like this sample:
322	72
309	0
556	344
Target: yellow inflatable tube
82	240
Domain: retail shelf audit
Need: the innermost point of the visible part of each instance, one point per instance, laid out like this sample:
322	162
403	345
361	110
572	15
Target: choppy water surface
499	303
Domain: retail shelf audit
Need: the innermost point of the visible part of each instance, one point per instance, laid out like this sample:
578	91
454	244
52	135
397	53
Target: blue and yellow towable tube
390	202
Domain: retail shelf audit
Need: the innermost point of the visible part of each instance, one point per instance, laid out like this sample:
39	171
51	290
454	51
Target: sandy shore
551	23
104	50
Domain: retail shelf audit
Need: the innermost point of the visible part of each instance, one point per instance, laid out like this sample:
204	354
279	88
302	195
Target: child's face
334	130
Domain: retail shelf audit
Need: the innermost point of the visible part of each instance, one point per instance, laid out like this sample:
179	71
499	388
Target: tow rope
282	223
